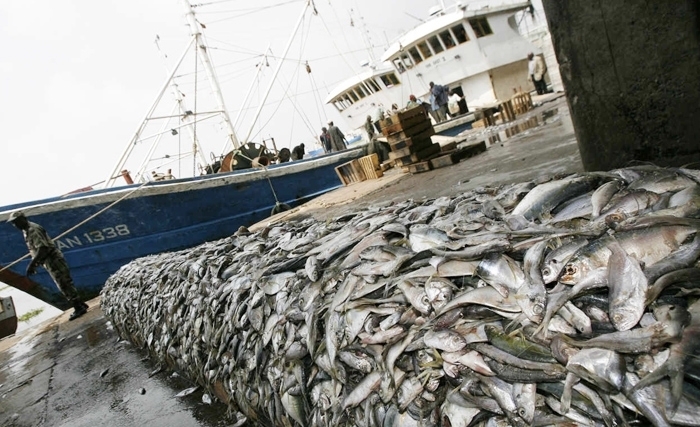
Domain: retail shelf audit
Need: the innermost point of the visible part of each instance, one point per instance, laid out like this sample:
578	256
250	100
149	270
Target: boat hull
8	317
140	220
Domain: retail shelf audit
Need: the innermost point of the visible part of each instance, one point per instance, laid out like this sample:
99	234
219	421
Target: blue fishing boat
99	230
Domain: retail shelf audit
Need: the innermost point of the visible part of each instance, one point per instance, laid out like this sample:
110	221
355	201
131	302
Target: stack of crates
408	134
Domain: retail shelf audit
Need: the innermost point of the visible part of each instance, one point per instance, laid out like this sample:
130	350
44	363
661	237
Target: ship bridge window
353	96
360	91
373	85
460	33
399	65
389	79
415	55
406	60
424	50
403	63
447	39
435	44
481	27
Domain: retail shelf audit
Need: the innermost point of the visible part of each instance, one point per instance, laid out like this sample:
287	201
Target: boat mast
277	70
261	66
135	139
206	62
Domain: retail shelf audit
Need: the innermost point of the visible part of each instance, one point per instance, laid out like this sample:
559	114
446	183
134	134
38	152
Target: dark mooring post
631	71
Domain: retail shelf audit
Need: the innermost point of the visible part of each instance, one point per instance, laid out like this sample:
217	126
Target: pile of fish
565	300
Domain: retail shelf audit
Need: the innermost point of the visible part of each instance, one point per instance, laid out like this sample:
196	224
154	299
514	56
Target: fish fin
652	378
514	325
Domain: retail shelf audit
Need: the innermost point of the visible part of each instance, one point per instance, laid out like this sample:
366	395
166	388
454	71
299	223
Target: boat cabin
475	50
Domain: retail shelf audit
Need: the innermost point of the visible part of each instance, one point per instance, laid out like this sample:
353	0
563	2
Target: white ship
475	49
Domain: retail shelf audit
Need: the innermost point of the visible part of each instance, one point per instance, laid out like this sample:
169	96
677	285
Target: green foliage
30	314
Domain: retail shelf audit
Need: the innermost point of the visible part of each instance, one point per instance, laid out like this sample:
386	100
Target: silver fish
313	268
368	384
628	289
602	195
544	197
501	272
531	295
445	340
555	260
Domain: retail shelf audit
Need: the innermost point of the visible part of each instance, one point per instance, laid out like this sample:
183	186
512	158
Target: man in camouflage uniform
44	252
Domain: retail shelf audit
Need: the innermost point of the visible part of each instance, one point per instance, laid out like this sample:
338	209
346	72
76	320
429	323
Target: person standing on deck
298	152
325	139
378	117
338	142
412	102
453	104
45	253
440	94
536	69
374	145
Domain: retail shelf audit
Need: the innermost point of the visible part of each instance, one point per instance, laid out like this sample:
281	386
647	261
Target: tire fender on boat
280	207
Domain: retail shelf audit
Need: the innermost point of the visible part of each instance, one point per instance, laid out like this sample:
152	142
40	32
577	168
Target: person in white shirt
536	69
453	103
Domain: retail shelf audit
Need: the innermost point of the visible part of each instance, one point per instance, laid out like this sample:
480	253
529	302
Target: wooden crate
455	156
469	151
522	103
370	166
506	111
403	116
424	154
449	147
422	131
419	167
350	172
446	159
406	124
478	124
417	142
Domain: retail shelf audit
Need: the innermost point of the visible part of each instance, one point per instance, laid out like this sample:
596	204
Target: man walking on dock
44	252
338	142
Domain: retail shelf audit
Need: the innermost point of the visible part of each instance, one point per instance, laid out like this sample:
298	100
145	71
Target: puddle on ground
504	131
19	353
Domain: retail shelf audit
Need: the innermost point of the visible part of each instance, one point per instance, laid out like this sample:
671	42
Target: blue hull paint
158	217
456	130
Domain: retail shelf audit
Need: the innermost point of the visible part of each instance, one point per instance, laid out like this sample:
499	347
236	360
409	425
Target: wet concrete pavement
79	373
548	148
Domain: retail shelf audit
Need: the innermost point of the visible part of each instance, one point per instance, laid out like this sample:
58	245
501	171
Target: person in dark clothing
338	142
325	139
374	145
298	152
440	93
45	253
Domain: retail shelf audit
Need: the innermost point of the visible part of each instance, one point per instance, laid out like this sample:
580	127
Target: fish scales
399	314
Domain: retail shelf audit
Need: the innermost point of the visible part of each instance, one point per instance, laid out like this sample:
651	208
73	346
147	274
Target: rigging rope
81	223
194	128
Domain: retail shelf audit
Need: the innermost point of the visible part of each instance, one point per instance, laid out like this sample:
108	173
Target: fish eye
570	269
545	271
538	308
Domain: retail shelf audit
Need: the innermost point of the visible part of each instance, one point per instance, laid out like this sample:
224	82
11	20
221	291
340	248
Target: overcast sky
77	76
